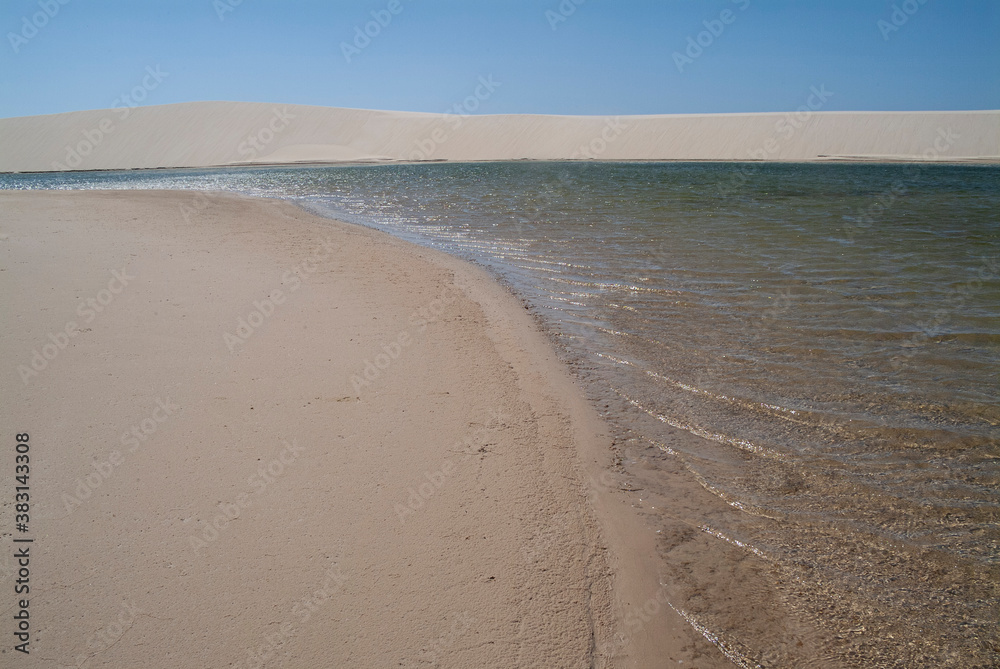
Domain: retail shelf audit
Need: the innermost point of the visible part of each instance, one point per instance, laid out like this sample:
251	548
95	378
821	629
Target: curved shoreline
425	408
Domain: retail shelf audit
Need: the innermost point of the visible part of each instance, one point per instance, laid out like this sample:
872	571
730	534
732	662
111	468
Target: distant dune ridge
202	134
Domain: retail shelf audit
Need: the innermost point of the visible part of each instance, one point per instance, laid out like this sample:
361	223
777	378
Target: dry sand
200	134
197	506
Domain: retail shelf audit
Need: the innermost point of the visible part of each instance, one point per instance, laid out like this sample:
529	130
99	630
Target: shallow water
800	363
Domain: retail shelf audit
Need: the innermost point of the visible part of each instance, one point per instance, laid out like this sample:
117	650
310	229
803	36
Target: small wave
742	444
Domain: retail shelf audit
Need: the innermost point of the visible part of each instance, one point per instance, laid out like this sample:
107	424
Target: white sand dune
200	134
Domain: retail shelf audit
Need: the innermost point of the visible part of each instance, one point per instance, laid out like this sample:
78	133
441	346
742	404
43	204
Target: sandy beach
261	438
547	335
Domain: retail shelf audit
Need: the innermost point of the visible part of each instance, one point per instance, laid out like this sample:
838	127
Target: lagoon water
800	363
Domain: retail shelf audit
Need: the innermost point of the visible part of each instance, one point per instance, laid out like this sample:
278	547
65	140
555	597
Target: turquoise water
799	362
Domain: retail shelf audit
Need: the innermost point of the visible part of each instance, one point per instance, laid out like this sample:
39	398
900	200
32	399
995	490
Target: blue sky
548	56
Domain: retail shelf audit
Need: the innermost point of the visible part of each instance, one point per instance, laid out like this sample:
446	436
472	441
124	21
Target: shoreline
988	161
349	411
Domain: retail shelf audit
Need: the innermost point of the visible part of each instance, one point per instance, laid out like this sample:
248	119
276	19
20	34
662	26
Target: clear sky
545	56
